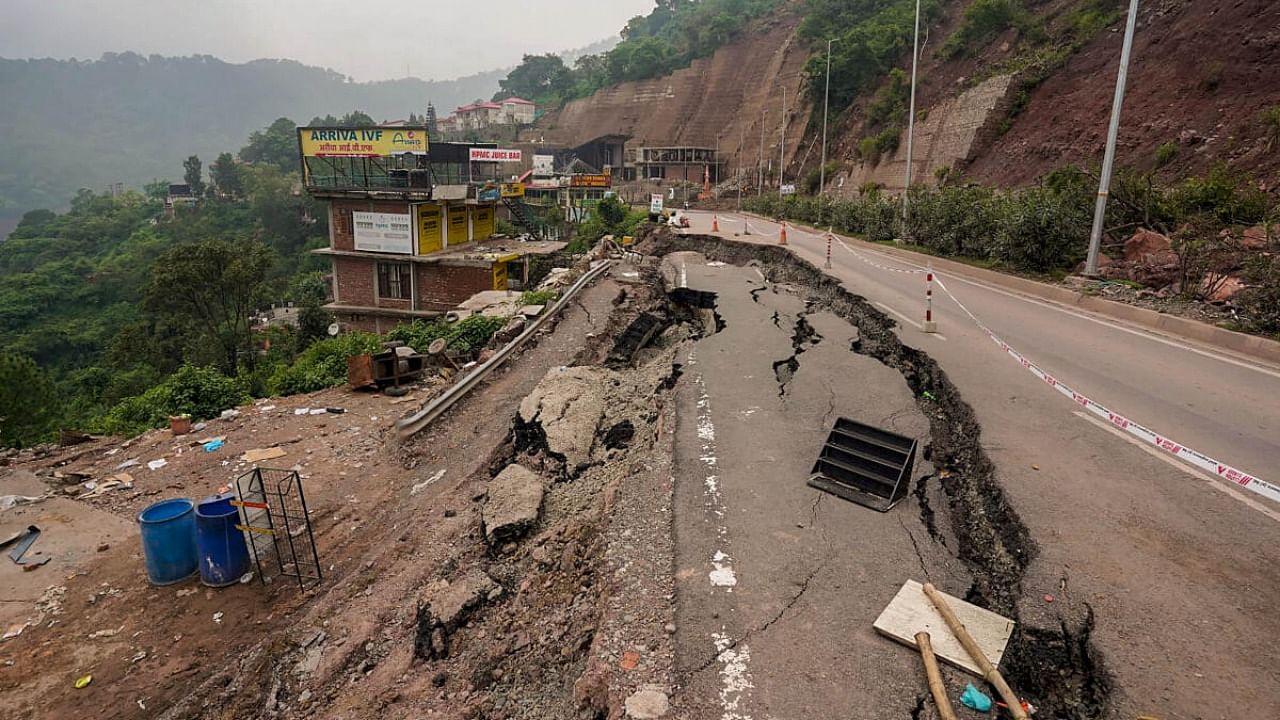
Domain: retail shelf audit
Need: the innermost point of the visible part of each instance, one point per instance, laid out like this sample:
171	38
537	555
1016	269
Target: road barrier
929	325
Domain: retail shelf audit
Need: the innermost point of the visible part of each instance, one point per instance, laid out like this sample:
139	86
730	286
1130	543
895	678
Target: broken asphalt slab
513	504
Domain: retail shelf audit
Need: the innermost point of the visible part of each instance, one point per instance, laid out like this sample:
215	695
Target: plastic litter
228	414
975	699
213	445
157	464
131	462
83	681
8	501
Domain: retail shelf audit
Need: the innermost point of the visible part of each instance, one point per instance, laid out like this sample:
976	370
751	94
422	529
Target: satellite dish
437	346
333	329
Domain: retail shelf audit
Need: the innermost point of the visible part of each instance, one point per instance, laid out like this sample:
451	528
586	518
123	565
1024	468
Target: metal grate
273	511
866	465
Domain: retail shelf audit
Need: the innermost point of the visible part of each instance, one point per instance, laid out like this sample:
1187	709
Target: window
393	280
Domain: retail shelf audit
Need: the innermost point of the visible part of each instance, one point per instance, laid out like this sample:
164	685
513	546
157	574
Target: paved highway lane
1182	570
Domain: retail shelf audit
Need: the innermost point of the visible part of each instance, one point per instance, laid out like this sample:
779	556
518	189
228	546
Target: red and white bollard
715	223
930	326
828	264
782	235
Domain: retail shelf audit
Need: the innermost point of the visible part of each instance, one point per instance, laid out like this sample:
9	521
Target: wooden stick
935	677
989	672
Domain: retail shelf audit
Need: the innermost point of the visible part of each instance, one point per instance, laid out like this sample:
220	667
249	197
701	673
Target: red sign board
590	181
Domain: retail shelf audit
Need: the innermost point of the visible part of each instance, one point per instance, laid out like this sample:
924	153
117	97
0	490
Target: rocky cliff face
1202	73
725	100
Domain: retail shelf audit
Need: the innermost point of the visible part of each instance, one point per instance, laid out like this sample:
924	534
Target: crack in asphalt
755	293
804	588
916	547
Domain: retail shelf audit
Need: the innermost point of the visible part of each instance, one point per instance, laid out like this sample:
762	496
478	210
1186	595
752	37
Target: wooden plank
253	456
911	612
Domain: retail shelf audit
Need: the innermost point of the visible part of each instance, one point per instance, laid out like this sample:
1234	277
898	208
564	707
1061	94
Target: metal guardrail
411	424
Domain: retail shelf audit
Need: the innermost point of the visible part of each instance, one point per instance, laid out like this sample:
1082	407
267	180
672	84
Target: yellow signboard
482	221
458	225
430	231
512	190
500	276
361	142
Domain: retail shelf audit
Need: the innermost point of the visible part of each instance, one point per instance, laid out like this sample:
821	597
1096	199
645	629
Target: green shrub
473	333
1260	302
1166	153
983	20
1270	119
199	392
323	365
538	297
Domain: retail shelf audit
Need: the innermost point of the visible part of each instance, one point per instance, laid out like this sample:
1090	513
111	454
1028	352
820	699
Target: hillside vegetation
131	119
671	36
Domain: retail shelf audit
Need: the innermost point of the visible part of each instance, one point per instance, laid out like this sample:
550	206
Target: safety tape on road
1141	432
1182	452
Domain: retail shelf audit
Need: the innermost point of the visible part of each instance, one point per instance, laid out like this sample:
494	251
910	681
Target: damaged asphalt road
840	358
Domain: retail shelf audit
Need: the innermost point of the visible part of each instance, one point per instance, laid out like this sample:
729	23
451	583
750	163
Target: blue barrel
169	540
224	556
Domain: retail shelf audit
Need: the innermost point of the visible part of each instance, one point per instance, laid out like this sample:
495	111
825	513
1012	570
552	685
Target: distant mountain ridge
127	118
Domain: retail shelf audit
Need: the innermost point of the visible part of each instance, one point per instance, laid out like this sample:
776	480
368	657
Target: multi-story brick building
409	226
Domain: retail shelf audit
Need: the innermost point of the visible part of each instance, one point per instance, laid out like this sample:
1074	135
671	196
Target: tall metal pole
764	118
782	151
826	101
1108	159
911	118
742	143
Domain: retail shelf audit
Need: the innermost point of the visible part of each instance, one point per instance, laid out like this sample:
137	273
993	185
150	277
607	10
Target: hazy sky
370	40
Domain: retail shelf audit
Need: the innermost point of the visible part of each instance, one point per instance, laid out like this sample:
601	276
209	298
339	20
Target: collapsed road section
805	564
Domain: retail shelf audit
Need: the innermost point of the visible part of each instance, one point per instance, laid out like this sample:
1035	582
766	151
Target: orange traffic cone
715	224
782	235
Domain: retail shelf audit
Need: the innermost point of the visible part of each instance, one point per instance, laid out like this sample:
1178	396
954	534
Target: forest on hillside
131	119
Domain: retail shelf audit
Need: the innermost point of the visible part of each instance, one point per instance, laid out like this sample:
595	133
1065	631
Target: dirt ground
418	615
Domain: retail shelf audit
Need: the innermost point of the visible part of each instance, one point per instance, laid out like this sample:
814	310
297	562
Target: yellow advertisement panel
511	190
482	221
500	276
458	225
430	230
361	142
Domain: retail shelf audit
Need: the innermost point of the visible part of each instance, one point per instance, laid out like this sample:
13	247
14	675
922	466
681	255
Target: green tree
210	286
28	402
194	175
227	177
276	145
540	78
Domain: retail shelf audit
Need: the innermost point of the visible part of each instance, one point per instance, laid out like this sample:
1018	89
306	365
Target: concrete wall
949	136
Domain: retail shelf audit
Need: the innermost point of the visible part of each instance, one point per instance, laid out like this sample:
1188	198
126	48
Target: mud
992	540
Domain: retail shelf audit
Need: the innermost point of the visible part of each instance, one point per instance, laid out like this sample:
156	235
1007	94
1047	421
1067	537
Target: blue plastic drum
169	540
223	554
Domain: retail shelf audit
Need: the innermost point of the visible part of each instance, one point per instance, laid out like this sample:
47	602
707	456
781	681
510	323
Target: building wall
357	283
444	287
340	228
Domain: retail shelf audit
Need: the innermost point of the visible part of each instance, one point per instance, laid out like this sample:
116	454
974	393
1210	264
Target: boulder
513	505
1149	247
1254	238
1225	290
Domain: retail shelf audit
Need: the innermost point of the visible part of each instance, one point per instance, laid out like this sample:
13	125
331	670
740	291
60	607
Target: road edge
1253	346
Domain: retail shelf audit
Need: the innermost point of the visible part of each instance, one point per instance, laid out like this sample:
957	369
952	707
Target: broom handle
935	677
989	672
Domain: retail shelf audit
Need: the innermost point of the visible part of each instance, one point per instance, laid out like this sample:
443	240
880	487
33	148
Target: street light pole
911	118
826	102
764	118
1108	158
742	143
782	149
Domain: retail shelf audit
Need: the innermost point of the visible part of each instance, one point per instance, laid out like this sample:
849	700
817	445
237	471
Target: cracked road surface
777	583
1181	574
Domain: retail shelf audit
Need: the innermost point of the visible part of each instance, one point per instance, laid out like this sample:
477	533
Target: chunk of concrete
513	505
451	604
568	404
648	703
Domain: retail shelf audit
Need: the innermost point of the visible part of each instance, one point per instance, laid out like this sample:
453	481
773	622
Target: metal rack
273	512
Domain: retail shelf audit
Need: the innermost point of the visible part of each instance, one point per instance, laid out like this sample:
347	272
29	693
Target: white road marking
908	320
1214	354
1188	469
735	678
